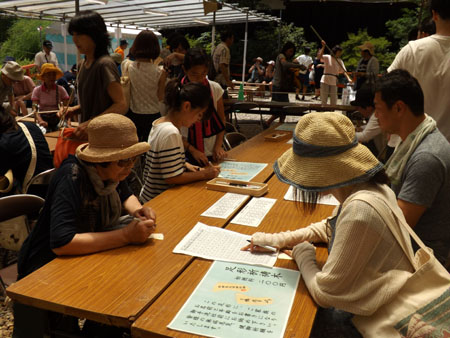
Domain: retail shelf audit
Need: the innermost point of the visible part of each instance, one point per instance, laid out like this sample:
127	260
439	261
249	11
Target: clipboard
278	135
239	187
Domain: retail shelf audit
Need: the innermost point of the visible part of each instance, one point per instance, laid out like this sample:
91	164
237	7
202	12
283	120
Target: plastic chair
243	107
14	206
233	139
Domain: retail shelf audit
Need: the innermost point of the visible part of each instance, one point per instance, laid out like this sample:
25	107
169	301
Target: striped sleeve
164	160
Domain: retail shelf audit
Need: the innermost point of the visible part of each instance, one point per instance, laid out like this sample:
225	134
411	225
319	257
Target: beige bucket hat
325	155
13	71
111	137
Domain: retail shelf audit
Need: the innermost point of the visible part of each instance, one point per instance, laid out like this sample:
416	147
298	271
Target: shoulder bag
422	306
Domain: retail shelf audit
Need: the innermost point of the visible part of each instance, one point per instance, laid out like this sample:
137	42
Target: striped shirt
164	160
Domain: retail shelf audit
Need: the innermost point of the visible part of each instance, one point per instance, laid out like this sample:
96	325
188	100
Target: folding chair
12	207
233	139
39	183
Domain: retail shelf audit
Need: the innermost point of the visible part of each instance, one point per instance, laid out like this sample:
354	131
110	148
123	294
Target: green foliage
351	53
5	23
23	40
398	29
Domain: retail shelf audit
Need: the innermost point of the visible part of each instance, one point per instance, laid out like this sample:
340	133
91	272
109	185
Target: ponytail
197	94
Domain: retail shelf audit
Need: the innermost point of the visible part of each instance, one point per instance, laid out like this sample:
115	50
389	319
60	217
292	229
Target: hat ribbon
301	148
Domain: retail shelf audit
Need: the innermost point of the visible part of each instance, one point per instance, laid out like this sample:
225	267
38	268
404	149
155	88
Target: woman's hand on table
137	231
255	248
145	213
43	124
210	171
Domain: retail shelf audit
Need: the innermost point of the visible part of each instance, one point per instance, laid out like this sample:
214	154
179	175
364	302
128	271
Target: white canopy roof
140	14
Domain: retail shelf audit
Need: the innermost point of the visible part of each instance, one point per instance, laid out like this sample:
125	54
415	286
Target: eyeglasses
127	162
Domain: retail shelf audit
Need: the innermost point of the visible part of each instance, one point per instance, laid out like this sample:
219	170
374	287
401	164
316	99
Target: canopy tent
140	14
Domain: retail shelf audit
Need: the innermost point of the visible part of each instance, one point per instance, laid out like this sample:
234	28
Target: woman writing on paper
366	266
82	215
165	162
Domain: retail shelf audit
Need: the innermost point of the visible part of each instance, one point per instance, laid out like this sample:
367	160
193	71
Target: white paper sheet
327	199
225	206
254	212
220	244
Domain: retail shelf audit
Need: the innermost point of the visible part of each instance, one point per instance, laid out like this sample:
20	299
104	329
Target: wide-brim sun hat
50	68
13	70
325	155
111	137
368	46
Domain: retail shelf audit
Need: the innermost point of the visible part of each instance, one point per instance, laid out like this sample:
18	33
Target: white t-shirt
144	78
209	142
331	67
428	60
165	159
41	58
305	60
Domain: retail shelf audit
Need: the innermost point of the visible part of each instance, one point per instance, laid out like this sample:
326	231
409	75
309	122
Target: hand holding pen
258	248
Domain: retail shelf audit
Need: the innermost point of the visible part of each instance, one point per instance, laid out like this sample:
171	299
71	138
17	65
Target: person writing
165	162
99	89
83	208
366	265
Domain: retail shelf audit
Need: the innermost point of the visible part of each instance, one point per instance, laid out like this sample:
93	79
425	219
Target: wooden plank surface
284	215
51	141
116	286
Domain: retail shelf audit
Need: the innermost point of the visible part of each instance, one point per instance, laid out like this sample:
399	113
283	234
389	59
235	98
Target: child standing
205	138
165	163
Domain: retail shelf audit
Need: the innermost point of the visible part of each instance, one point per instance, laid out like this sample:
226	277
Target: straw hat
325	155
112	137
368	46
50	68
13	71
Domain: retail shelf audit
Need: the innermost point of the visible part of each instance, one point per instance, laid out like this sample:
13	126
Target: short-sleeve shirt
23	87
426	182
305	60
221	55
41	58
47	98
15	152
164	160
144	78
331	66
71	207
93	85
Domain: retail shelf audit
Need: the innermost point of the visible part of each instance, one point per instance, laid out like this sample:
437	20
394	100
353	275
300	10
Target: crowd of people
173	120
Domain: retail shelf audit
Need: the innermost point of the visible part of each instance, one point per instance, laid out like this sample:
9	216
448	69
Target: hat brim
59	73
99	155
317	174
14	77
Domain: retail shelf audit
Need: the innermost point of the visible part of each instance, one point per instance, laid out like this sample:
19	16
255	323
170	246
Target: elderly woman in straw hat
366	266
49	97
83	207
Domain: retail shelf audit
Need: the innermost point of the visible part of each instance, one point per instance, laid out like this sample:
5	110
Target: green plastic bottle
241	92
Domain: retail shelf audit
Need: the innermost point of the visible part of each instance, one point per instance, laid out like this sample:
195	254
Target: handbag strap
32	165
382	208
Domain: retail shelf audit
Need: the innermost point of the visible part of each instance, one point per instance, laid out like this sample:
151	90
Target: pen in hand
270	248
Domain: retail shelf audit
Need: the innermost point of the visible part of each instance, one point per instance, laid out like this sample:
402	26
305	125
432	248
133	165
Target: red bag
65	145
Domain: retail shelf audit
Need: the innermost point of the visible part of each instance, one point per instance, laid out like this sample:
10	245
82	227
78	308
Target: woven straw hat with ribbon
112	137
50	68
325	155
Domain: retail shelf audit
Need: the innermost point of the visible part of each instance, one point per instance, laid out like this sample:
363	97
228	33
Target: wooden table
284	215
51	141
304	106
117	286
